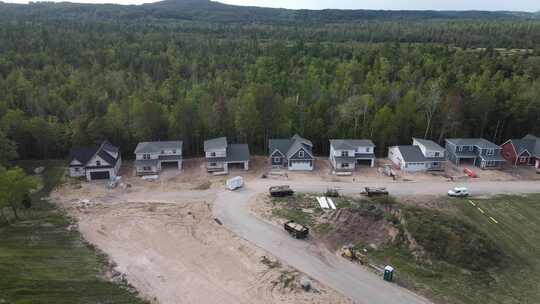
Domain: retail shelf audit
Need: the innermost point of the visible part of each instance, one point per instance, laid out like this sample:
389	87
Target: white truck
235	183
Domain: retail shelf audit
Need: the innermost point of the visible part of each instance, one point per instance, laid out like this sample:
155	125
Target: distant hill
210	11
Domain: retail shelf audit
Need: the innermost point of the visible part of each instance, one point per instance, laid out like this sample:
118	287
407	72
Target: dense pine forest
70	77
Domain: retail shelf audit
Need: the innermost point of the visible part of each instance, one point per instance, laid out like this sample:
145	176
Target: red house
522	152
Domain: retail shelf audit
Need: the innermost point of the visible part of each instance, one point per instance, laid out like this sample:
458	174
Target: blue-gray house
476	151
295	154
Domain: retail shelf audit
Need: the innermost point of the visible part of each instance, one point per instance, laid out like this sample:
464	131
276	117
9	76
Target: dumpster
388	273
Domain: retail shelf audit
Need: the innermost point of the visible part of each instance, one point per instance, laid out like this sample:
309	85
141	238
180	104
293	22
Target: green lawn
517	233
42	262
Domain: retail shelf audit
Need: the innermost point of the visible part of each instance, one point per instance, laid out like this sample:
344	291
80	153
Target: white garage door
415	167
300	165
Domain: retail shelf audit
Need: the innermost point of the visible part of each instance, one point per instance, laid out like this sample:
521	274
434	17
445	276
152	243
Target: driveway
361	285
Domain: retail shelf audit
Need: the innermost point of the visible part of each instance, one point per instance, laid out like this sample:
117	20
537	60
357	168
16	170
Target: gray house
347	154
220	155
295	154
150	157
99	162
476	151
422	155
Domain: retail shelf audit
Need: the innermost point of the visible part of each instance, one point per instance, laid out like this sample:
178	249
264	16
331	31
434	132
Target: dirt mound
359	225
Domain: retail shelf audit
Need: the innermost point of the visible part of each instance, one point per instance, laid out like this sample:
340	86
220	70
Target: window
77	169
98	163
301	153
162	151
173	151
147	169
212	154
523	159
490	152
146	156
213	164
437	154
345	153
344	165
277	159
367	150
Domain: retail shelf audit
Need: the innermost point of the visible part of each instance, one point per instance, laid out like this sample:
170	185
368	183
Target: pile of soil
365	225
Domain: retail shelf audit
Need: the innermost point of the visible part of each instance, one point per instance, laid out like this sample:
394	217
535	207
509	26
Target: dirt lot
175	252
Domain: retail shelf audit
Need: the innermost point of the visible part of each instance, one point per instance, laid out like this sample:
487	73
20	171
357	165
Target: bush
449	239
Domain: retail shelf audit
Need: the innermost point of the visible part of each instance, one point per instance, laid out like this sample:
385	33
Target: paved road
362	286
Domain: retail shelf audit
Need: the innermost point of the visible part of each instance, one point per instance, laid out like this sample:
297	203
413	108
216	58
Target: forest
67	82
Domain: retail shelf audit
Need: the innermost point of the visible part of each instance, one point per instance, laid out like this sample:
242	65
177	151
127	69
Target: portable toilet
388	273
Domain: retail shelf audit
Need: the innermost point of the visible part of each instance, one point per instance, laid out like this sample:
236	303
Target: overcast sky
514	5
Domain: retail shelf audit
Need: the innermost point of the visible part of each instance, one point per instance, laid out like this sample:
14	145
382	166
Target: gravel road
362	286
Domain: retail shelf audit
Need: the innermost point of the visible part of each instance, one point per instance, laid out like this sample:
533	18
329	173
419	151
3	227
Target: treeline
459	28
64	85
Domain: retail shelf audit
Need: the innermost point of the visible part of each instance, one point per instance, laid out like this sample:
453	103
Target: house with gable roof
295	154
523	151
477	151
94	163
220	155
150	157
422	155
347	154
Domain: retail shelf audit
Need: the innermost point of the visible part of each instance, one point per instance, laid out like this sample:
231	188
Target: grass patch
445	280
43	262
323	228
296	215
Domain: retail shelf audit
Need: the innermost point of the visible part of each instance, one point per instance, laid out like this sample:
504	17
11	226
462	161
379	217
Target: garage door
301	165
99	175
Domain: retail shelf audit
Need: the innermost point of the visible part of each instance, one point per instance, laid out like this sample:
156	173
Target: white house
150	157
347	154
220	155
100	162
422	155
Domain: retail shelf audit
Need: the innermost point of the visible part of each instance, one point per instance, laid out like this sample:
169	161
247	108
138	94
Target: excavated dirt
350	226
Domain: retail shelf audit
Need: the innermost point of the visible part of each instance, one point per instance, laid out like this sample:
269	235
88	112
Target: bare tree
430	104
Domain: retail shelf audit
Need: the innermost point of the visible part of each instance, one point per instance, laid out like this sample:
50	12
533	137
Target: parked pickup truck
296	230
281	191
371	191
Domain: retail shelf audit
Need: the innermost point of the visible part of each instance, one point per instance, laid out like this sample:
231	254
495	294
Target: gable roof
215	143
412	154
238	152
350	144
479	142
157	146
82	154
528	143
289	147
296	146
429	144
104	151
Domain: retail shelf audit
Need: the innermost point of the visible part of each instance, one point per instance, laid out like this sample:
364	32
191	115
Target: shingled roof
288	147
350	144
84	154
215	143
158	146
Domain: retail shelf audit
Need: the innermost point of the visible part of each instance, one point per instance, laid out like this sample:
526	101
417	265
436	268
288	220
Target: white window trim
277	159
301	153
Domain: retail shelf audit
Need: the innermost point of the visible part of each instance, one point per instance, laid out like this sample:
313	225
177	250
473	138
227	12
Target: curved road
362	286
